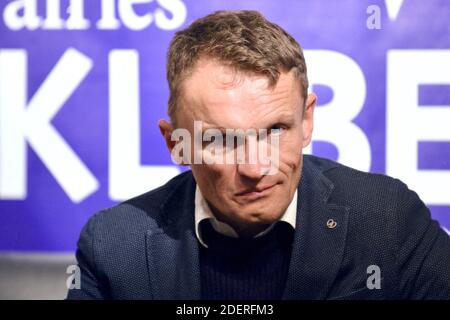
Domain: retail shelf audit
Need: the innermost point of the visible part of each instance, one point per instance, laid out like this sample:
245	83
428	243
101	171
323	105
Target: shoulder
378	205
142	211
388	225
355	187
115	238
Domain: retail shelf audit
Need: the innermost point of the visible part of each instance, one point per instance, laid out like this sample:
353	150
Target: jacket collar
173	249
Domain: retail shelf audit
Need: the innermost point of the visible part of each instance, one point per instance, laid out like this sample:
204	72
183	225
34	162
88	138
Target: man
296	227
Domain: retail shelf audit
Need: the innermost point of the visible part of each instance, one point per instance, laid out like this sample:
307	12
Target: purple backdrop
102	58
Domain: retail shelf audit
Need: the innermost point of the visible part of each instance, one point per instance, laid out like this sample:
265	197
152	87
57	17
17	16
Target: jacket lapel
172	248
318	247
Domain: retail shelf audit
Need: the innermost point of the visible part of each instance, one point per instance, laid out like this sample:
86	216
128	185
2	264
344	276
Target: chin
266	216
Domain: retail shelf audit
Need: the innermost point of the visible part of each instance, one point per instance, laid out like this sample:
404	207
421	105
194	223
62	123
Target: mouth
255	193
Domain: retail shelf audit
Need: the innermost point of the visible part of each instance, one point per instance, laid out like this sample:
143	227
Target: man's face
241	194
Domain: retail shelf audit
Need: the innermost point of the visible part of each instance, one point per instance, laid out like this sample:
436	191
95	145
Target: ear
308	119
166	130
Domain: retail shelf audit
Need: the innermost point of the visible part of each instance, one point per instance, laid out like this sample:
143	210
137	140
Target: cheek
213	177
290	162
290	155
291	149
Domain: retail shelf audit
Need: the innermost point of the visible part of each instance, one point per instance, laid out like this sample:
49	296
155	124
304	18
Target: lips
255	191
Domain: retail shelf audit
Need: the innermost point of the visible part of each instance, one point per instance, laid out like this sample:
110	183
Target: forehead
221	97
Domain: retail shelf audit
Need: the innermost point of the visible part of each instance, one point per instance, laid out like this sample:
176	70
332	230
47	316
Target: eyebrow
285	118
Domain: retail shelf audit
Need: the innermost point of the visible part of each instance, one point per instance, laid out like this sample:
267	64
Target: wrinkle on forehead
219	95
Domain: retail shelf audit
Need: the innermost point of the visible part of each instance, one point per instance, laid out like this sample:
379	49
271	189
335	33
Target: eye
276	129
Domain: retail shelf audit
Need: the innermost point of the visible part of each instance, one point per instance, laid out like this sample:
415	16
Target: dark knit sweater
240	268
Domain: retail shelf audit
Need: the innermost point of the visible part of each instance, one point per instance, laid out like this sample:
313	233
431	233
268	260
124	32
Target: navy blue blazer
146	248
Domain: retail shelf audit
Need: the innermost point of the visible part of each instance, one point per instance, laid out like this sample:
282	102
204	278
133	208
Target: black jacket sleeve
423	260
91	286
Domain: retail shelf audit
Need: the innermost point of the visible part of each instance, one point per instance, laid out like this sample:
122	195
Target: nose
250	171
252	168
